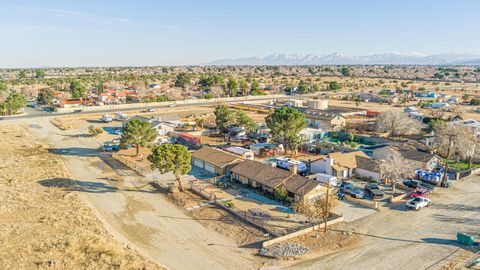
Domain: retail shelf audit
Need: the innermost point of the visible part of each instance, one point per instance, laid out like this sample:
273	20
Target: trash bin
465	239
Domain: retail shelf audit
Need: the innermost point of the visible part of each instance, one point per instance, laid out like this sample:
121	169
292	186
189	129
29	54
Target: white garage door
209	168
198	163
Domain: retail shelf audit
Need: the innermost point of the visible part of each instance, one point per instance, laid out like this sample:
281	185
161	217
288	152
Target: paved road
32	113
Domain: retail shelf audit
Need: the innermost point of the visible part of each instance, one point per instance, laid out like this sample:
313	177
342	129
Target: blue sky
142	32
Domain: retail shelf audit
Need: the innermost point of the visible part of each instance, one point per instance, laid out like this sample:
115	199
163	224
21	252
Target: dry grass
43	226
62	123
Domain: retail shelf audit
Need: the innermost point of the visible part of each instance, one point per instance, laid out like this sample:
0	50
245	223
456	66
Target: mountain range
339	59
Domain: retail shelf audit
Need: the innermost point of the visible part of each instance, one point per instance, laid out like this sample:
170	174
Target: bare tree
395	168
397	123
458	142
316	210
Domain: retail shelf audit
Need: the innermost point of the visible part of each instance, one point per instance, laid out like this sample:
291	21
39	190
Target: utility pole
450	141
325	210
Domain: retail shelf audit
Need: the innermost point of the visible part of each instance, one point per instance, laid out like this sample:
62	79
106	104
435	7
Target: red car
420	192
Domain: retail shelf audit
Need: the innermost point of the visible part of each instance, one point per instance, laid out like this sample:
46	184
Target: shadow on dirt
76	185
75	151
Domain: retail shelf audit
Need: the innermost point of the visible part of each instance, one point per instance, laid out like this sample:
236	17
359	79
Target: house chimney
294	169
329	161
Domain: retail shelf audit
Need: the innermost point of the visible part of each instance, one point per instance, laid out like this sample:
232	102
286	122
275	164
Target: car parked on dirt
352	190
418	203
344	185
412	183
420	192
373	191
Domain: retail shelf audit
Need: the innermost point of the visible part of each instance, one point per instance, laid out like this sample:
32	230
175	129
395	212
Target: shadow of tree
457	207
75	185
75	151
457	220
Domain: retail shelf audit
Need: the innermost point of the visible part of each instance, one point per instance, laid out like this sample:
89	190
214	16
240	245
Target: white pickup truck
418	203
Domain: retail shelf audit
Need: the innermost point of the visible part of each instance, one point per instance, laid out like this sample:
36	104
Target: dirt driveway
140	216
397	238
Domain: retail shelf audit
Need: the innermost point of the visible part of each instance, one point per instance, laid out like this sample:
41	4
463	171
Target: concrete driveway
351	211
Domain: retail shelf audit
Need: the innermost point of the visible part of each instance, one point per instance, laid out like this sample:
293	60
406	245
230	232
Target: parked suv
355	192
412	183
345	185
373	190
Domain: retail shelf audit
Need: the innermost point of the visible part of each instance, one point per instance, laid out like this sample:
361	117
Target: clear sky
46	33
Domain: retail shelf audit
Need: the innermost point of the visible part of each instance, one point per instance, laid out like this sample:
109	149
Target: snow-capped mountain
339	59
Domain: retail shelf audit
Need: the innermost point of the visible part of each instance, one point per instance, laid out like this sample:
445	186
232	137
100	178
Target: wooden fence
244	215
132	165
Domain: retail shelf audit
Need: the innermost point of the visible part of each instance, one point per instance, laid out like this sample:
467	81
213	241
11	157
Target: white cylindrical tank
319	104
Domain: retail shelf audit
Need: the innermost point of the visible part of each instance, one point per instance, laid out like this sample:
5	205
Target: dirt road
140	216
401	239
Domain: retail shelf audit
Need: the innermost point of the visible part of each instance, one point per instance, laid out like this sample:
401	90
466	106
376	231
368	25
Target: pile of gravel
284	250
257	212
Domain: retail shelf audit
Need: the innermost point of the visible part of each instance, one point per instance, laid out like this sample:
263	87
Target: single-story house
242	152
214	160
267	178
163	127
331	117
420	159
342	165
311	134
367	167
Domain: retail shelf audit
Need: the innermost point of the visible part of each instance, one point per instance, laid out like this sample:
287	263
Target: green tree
246	121
22	75
334	85
243	86
223	118
199	122
351	137
13	103
173	158
302	87
77	89
345	71
232	87
46	96
183	80
295	143
208	81
285	123
475	101
100	87
280	193
39	73
3	86
138	133
255	88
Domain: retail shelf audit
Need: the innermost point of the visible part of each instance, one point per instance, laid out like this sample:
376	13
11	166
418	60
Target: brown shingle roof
261	173
412	154
215	157
273	177
368	164
300	185
346	160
